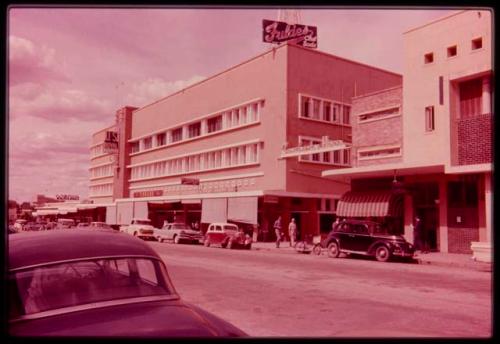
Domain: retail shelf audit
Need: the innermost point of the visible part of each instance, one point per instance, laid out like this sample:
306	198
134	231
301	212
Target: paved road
272	294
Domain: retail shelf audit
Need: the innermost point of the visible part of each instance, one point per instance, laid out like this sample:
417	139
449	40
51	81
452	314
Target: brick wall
459	239
475	140
379	132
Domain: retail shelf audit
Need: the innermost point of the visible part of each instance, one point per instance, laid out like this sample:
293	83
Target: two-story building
214	150
433	145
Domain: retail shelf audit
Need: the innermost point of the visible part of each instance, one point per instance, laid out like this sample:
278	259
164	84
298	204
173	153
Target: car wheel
229	244
206	243
176	239
333	250
382	254
135	233
317	250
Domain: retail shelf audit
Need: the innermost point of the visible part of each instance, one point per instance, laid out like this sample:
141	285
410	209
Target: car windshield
84	282
179	226
231	227
142	222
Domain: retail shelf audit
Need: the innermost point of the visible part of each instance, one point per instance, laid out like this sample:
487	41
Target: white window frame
379	149
335	105
379	116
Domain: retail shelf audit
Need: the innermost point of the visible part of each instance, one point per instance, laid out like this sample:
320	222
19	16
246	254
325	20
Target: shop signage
326	145
110	147
62	197
190	181
278	32
149	193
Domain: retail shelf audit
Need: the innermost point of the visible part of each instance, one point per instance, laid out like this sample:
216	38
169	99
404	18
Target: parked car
227	235
366	238
100	225
140	228
12	229
65	223
98	283
51	225
19	224
82	225
178	232
32	226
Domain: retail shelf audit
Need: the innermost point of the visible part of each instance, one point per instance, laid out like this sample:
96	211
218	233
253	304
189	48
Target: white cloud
153	89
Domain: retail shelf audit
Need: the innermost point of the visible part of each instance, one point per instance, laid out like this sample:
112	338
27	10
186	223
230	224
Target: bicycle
307	246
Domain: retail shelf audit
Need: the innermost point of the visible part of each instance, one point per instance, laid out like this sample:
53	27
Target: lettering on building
278	32
149	193
62	197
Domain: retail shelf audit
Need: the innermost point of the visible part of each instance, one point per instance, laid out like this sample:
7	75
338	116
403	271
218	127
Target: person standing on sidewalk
277	231
418	235
292	232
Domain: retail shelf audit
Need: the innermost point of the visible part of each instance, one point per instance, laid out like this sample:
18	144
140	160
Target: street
286	294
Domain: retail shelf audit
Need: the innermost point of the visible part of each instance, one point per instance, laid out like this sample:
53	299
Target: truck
140	228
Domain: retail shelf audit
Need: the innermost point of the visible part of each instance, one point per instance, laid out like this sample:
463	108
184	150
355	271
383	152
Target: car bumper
403	254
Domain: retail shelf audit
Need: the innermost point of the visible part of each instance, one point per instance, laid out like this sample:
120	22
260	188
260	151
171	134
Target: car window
231	227
218	228
342	227
179	226
141	222
359	229
83	282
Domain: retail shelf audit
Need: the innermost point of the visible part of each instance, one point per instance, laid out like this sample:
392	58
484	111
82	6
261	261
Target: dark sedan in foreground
98	283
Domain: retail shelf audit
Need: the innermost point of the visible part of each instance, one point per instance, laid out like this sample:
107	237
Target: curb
478	266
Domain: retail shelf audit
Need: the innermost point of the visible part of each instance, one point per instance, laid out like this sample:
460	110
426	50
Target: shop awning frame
373	203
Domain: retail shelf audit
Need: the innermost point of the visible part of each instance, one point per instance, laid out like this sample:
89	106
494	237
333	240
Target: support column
482	250
443	216
408	218
486	98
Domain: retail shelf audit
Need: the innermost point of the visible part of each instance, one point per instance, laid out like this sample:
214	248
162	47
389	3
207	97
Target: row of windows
379	153
338	157
97	150
102	171
378	114
452	51
232	118
324	110
229	157
101	190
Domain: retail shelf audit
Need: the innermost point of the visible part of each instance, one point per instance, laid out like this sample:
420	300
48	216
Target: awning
376	203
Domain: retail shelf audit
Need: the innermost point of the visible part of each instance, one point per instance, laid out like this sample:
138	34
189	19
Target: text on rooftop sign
278	32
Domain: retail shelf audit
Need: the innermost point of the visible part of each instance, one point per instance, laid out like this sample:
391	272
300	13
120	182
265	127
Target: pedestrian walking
335	223
277	231
292	232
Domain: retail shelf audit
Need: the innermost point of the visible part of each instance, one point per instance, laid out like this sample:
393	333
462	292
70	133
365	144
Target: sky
70	69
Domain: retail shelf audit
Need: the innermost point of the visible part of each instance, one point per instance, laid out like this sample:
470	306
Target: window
194	129
326	156
429	118
336	157
148	143
327	111
379	153
134	147
316	106
305	107
379	114
215	124
346	114
336	112
428	58
161	139
477	43
452	51
471	98
347	156
177	135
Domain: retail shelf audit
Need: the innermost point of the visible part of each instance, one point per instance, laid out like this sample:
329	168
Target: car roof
139	219
34	248
223	224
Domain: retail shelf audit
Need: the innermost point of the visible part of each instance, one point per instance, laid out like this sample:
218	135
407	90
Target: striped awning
365	204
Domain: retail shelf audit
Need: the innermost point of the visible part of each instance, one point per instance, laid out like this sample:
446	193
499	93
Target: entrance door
298	220
430	223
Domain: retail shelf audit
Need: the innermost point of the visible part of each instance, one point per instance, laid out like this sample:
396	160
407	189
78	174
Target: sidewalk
433	258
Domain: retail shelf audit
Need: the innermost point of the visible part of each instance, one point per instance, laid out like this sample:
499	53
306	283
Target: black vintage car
366	238
98	283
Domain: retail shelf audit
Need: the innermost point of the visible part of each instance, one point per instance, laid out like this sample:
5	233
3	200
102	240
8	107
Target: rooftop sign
278	32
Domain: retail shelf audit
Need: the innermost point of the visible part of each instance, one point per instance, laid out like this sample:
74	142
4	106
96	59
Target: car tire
333	249
229	244
317	250
206	243
135	234
382	253
176	239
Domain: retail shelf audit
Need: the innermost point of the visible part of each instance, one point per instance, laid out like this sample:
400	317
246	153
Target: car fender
330	240
372	248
